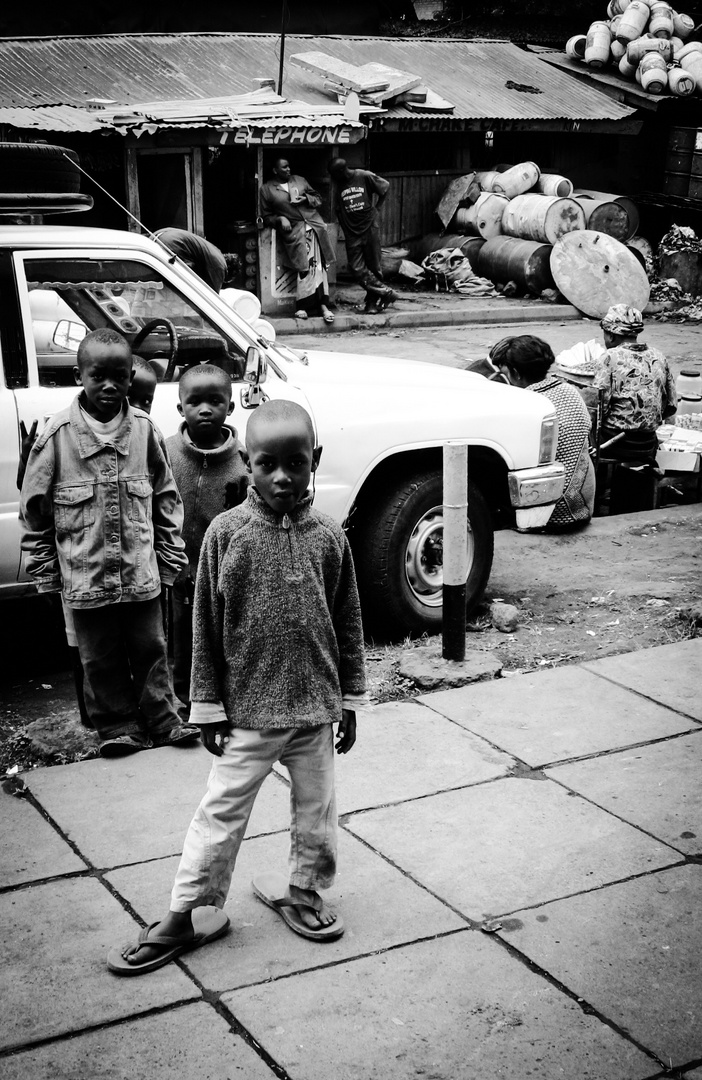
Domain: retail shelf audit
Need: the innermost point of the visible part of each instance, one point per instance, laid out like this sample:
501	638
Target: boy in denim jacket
101	519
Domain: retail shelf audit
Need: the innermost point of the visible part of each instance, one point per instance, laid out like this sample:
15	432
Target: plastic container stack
647	41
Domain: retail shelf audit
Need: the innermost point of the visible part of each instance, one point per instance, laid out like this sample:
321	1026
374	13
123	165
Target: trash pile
645	40
680	250
514	225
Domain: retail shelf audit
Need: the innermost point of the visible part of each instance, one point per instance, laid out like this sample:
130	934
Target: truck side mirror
255	372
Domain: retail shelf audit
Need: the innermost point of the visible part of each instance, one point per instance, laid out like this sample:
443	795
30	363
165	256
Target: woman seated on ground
525	361
639	394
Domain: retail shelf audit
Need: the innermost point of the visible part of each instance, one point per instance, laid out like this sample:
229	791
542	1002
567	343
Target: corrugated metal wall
409	207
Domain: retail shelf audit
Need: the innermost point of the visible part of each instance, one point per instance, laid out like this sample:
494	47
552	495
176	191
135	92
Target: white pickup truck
382	422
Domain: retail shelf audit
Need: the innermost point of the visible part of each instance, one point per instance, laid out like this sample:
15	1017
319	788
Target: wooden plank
397	82
198	210
348	75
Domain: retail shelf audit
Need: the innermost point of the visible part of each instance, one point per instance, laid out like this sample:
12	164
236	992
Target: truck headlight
548	440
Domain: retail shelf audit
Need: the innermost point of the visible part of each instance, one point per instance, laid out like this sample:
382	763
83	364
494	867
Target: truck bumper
534	492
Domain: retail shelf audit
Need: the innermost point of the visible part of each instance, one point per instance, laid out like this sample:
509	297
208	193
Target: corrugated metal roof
474	75
619	87
50	118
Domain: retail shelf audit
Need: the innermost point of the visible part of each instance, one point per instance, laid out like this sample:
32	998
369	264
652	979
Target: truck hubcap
424	558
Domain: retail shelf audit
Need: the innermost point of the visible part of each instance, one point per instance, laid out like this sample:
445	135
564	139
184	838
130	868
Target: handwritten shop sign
294	136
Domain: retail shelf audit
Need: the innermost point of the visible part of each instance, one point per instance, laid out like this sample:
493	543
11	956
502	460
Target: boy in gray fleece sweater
211	476
277	659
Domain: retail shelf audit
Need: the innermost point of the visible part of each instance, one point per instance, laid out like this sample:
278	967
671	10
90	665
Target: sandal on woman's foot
327	315
121	745
208	924
272	888
301	314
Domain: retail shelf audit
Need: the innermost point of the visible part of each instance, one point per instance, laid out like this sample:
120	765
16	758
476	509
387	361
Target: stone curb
447	317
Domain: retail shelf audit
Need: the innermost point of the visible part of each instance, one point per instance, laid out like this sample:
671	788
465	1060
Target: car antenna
152	235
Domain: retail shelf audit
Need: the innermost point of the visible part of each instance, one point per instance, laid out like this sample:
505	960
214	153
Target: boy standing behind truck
211	476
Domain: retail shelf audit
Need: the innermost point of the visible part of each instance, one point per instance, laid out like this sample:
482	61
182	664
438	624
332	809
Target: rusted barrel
575	46
542	217
633	21
606	217
553	184
505	258
487	179
623	200
471	248
661	24
599	38
469	245
692	63
484	217
636	50
654	73
683	25
517	180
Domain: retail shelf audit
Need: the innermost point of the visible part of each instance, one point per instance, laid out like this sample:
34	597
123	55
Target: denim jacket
101	521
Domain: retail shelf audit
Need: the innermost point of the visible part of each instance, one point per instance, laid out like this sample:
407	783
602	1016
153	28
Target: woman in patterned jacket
525	361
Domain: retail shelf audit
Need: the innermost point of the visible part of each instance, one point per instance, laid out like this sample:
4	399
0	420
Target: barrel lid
691	373
595	271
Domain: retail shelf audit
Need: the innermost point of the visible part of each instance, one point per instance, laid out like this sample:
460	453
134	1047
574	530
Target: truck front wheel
398	551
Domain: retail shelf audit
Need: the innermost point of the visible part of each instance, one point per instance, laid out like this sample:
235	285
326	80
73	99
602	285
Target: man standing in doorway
358	216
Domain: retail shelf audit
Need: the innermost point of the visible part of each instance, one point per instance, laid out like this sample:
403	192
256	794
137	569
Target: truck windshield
70	297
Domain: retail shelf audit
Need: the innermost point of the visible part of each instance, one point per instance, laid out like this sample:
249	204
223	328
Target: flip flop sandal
301	314
328	316
208	924
271	887
121	745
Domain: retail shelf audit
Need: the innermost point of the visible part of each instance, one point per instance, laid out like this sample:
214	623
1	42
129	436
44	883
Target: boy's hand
346	732
214	736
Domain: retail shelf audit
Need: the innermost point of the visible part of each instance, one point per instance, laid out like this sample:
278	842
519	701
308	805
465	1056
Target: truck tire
398	552
33	167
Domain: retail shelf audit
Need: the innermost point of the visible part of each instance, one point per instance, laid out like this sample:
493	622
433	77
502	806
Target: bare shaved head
208	371
278	414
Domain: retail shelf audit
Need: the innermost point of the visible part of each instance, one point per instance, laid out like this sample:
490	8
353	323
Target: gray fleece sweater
209	482
277	635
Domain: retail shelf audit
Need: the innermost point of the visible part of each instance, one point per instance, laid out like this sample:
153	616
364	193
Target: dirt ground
624	583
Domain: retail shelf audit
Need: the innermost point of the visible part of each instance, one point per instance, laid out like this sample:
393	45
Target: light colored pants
217	830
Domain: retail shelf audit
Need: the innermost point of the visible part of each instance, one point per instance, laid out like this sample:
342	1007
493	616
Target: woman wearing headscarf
525	361
639	394
291	207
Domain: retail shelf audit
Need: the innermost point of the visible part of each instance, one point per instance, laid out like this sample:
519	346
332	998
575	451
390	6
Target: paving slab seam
75	1033
471	924
689	861
617	749
632	690
687	857
583	1005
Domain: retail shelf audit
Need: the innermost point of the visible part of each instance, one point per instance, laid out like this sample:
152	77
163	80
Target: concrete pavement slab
669	674
191	1041
151	796
508	844
29	847
696	1075
54	940
654	787
404	751
381	908
457	1008
633	952
554	715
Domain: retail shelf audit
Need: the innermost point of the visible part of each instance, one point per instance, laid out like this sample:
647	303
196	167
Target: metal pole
453	633
282	47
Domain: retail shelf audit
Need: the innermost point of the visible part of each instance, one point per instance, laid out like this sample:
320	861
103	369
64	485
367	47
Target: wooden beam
131	179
